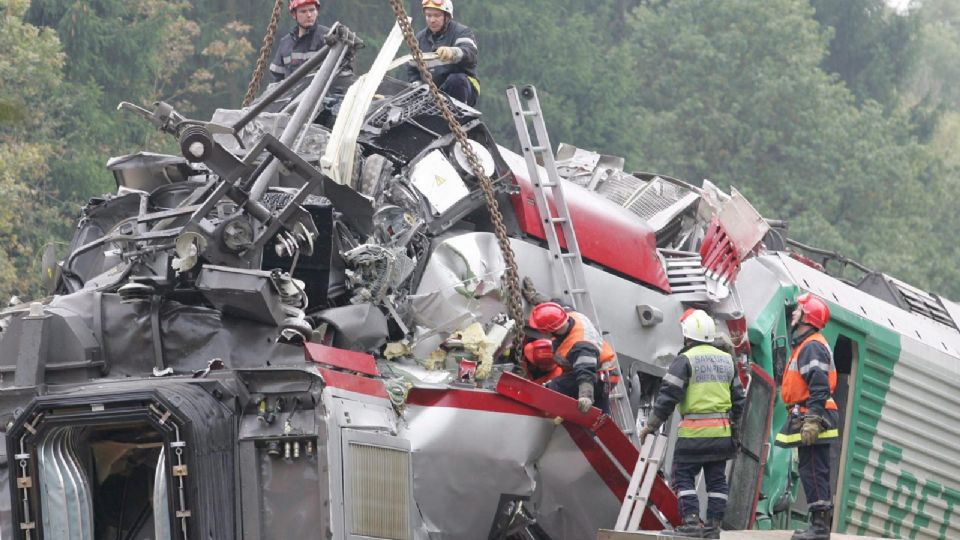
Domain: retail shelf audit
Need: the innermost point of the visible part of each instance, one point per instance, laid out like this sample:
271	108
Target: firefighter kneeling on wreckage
808	385
704	382
540	363
586	359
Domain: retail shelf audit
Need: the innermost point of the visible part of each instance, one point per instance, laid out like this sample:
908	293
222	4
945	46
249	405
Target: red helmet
548	317
539	352
294	4
815	311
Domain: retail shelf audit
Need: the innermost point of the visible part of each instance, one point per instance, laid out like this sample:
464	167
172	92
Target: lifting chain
264	54
512	277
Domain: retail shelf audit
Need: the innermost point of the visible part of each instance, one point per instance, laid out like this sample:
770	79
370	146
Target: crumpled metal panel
461	282
574	501
191	335
465	452
595	220
465	459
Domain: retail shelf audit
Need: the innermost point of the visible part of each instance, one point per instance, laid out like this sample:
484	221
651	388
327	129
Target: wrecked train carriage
163	389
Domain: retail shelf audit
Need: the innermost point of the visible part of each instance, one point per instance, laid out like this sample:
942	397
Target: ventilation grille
923	303
906	297
416	103
380	492
685	272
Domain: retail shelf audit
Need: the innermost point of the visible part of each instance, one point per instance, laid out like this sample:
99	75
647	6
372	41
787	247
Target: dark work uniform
459	78
703	381
295	49
807	386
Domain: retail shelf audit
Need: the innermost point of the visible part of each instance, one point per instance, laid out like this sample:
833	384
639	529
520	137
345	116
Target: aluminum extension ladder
569	263
644	474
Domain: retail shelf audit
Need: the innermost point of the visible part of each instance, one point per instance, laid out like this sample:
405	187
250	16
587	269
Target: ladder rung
569	255
559	220
538	149
578	291
530	113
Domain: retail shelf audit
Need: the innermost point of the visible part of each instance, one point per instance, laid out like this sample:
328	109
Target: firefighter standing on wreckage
703	382
302	42
809	381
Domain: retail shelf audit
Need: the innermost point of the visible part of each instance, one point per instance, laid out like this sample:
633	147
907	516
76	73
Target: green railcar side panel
899	470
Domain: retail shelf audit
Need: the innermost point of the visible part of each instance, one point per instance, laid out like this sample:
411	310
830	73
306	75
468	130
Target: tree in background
804	104
872	48
31	78
733	91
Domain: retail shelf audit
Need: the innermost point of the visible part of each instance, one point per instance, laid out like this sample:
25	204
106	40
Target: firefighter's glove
585	400
735	436
449	54
810	432
653	424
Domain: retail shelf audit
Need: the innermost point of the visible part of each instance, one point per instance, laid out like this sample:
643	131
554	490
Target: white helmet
698	326
445	6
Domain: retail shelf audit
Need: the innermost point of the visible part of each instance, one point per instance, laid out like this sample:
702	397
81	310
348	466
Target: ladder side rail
575	263
533	169
650	474
629	501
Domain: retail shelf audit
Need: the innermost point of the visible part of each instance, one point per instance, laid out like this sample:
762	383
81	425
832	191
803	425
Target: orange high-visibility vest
584	330
794	389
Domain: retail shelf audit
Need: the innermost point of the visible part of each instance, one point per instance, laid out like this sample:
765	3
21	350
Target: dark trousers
814	469
567	384
459	87
685	486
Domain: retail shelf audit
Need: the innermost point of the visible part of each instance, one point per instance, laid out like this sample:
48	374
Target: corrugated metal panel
380	491
906	469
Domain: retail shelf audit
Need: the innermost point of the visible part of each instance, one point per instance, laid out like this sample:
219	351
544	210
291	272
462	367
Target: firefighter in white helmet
703	381
455	68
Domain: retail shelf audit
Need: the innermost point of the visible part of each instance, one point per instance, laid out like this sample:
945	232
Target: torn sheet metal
465	454
360	327
462	281
340	157
569	487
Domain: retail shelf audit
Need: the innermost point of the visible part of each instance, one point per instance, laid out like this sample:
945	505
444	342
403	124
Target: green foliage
30	77
872	49
838	115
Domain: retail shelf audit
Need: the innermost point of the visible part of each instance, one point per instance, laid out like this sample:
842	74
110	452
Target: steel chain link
512	277
264	54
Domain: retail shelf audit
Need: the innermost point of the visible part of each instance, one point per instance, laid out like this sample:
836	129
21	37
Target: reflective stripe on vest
792	438
704	428
794	389
707	399
584	331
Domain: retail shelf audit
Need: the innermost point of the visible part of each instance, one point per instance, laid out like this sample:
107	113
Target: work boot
690	528
711	529
819	528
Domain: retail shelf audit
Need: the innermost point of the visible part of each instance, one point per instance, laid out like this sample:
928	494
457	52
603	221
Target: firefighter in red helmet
580	351
302	42
541	365
807	389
